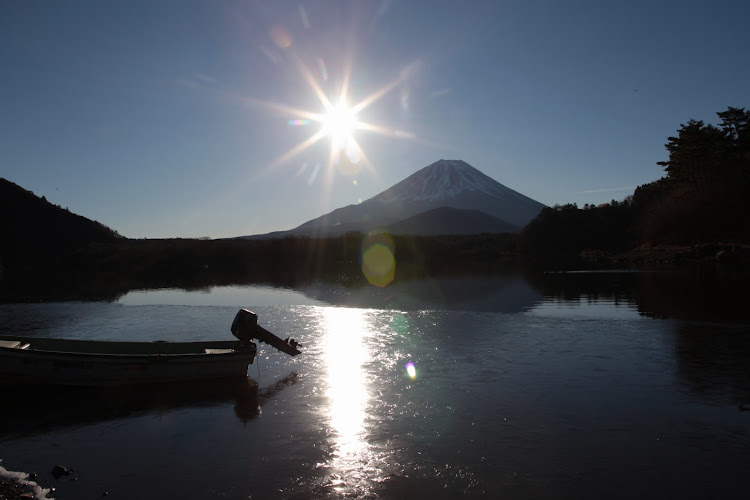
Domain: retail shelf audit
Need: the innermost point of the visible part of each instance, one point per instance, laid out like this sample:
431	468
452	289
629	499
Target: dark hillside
683	215
568	230
33	228
448	220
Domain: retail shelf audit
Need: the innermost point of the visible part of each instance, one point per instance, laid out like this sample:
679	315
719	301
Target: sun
337	120
339	124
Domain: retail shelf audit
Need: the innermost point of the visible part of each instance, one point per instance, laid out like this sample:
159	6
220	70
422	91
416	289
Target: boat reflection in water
346	353
32	410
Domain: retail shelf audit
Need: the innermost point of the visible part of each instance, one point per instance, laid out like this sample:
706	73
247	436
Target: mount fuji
447	197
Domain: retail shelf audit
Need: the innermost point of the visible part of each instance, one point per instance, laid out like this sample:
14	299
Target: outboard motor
246	328
244	325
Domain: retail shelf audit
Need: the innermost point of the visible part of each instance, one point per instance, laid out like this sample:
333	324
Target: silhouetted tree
701	153
568	230
705	197
695	153
735	123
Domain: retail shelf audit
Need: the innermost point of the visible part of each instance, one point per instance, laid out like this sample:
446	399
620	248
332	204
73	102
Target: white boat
111	363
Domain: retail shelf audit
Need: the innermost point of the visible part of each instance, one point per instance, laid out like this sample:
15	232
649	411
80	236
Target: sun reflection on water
346	353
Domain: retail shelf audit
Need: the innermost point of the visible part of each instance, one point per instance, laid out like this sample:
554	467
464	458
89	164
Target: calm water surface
570	387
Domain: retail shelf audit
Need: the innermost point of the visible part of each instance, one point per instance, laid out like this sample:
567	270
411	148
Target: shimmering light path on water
583	398
346	352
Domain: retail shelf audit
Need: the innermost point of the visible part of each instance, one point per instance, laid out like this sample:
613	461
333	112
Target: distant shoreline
189	265
724	253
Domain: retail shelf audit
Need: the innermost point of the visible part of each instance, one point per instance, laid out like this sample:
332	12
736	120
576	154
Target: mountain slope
447	220
445	183
32	227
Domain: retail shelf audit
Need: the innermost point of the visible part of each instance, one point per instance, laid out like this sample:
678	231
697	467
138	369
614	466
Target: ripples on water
548	398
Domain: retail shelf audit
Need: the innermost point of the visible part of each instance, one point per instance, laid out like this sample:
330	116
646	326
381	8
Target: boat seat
218	351
13	344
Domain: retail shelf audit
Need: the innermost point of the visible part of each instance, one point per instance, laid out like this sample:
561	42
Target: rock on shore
17	486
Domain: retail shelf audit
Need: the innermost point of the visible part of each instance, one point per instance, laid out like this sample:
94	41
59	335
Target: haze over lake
529	386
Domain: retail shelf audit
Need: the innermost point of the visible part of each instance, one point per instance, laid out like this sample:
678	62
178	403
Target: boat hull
99	364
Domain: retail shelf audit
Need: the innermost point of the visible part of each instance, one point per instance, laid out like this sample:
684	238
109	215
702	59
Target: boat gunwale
149	350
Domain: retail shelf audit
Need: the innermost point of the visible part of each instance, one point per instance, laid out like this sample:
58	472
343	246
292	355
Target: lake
615	384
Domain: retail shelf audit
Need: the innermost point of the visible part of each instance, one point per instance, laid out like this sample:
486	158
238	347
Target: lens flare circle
378	259
280	36
411	370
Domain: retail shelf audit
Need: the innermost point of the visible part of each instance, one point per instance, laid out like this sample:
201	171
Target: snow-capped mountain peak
443	180
444	193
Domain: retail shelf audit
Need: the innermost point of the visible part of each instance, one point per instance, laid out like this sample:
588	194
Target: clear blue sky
156	117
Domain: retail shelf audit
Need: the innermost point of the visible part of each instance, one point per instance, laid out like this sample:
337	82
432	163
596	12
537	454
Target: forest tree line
704	198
